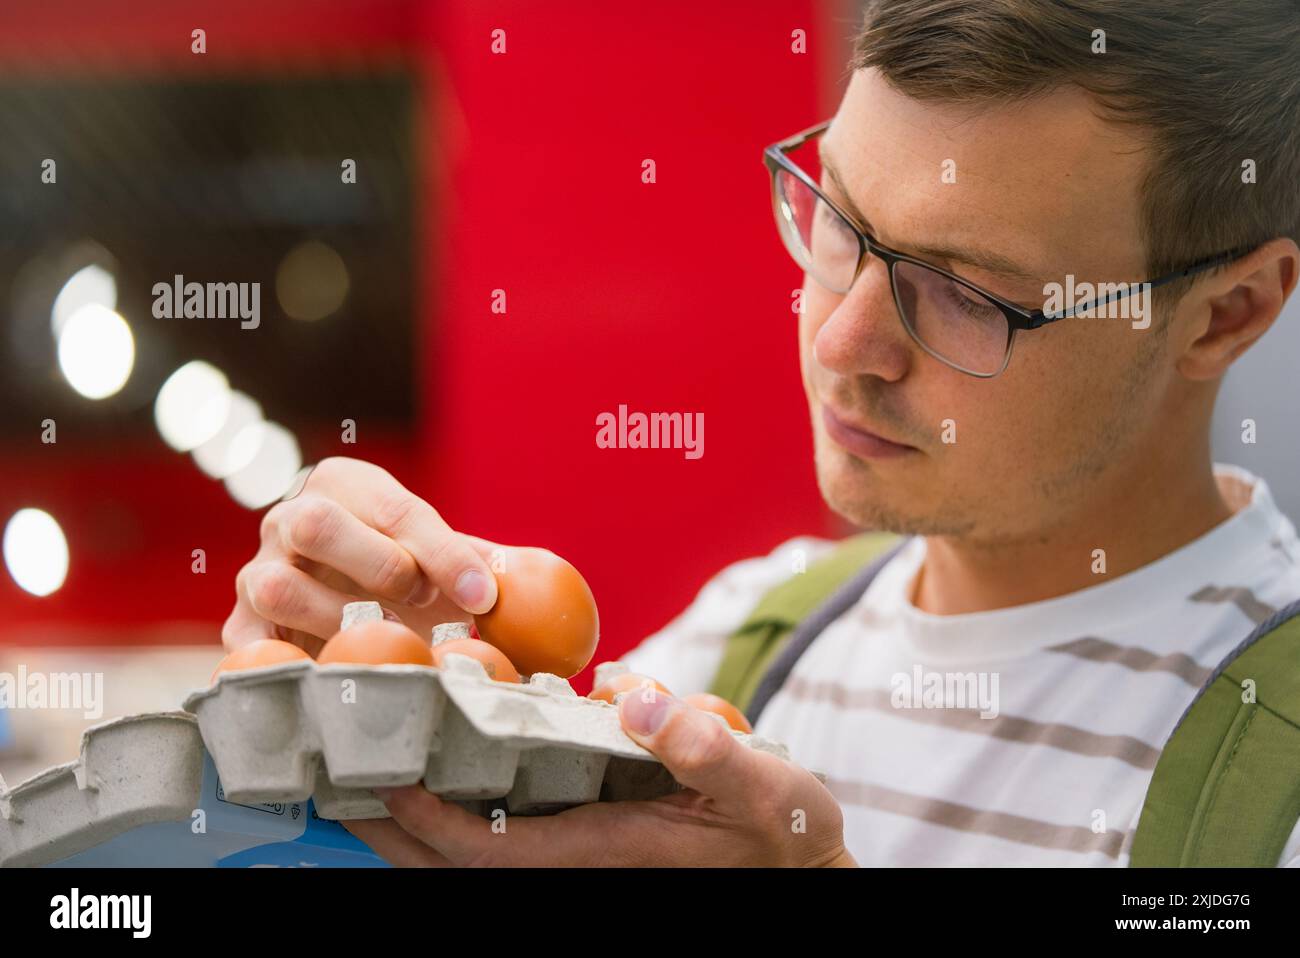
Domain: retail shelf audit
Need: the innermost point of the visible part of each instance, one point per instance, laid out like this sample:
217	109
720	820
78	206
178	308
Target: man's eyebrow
985	260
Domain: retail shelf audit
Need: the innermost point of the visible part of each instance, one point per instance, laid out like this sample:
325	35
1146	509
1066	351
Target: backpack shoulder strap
754	646
1226	788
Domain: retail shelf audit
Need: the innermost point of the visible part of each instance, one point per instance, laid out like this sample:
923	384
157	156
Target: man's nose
863	335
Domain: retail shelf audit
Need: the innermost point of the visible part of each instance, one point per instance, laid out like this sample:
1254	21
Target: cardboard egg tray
132	772
333	732
250	750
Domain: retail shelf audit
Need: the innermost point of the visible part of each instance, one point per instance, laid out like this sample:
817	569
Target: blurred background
474	172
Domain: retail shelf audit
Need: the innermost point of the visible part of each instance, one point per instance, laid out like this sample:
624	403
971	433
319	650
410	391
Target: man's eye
970	302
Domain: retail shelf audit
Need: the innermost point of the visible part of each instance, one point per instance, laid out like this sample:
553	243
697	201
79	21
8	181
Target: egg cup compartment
340	730
276	763
630	780
552	778
468	766
375	727
345	804
131	771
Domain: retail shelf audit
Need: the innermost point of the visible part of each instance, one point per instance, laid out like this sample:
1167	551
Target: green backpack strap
1226	788
753	646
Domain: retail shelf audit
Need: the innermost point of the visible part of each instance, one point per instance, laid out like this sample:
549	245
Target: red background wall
666	297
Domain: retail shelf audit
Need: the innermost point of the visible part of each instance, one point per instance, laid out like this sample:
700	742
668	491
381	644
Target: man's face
1047	185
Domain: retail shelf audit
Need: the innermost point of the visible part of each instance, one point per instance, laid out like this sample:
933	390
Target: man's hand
354	532
738	807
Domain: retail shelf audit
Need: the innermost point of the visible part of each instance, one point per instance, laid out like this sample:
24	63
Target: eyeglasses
958	323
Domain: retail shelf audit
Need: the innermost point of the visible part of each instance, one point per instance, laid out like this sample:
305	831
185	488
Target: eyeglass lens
952	320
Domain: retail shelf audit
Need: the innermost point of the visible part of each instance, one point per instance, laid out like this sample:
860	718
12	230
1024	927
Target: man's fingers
461	836
243	626
696	748
486	548
320	529
288	597
448	561
573	838
395	845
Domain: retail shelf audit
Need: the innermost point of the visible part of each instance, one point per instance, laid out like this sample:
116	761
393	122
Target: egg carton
334	732
133	771
283	734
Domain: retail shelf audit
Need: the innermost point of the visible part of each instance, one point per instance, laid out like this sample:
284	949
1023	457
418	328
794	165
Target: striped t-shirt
1048	760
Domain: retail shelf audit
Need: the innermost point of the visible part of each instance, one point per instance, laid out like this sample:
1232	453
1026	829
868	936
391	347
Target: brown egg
376	643
498	667
259	655
709	702
545	617
625	682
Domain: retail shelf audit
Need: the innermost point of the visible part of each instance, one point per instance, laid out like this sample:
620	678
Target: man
1074	547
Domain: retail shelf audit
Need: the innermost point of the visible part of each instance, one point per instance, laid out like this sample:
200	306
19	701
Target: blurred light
91	285
96	351
247	443
192	405
36	553
221	455
311	281
273	469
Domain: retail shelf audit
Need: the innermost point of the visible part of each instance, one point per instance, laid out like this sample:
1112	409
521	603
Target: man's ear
1237	305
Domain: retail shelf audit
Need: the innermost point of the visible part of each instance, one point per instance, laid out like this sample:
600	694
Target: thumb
696	748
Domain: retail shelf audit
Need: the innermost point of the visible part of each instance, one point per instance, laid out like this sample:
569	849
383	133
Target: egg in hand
544	619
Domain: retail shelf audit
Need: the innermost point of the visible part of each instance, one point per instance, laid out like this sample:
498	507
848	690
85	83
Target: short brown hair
1213	83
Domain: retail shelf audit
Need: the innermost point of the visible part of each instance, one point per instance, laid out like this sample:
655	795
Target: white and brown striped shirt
1048	759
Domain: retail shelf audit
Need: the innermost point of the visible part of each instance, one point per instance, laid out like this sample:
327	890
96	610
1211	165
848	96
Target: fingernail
472	590
391	616
645	713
